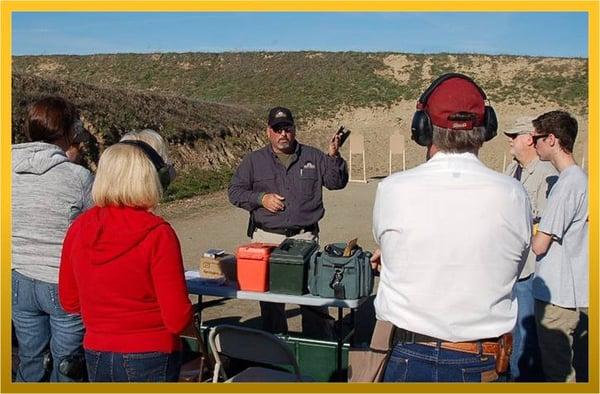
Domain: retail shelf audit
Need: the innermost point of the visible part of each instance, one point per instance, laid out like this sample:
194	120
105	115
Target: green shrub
197	181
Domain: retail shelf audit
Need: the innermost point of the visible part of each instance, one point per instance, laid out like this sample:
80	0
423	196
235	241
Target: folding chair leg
215	378
205	360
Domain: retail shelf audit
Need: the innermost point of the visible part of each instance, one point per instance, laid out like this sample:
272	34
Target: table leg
199	309
205	360
340	341
353	324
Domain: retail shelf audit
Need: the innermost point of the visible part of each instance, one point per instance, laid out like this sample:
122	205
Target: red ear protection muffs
422	127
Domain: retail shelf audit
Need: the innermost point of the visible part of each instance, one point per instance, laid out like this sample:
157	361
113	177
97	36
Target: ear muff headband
159	164
421	126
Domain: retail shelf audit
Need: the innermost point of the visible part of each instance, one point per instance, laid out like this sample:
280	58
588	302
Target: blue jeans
41	325
413	362
133	367
525	361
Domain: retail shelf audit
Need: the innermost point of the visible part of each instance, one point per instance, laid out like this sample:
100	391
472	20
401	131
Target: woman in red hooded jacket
122	269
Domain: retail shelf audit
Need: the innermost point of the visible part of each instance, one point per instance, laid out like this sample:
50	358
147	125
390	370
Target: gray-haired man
537	177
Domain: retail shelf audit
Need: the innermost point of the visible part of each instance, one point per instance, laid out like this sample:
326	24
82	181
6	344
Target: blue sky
536	34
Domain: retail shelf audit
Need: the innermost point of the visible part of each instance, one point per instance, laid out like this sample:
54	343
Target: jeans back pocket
146	367
92	360
396	369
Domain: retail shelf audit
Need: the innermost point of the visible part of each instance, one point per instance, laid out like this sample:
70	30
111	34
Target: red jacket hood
108	233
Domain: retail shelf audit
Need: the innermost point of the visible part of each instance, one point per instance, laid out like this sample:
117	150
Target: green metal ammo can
288	265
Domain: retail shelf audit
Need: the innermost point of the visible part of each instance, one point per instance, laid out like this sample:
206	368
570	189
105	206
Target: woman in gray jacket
48	192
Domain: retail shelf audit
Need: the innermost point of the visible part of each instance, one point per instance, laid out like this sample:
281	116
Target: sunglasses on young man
536	137
280	129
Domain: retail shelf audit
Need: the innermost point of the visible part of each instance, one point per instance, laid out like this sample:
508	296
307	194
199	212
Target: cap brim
281	122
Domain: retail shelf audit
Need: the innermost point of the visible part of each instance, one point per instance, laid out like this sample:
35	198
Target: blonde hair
126	177
152	138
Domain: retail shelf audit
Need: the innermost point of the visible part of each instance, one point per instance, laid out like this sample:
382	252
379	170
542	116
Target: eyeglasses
281	129
536	137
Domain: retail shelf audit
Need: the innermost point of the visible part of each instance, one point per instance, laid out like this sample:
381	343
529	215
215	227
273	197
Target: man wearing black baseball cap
281	186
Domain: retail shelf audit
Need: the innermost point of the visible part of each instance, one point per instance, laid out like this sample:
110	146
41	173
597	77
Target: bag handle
333	250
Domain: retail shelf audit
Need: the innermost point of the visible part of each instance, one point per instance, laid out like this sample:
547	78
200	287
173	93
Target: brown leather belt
488	346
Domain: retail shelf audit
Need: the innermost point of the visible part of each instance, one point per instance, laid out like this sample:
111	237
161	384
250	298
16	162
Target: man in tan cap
537	177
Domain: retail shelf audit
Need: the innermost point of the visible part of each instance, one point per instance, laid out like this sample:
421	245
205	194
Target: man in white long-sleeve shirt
454	236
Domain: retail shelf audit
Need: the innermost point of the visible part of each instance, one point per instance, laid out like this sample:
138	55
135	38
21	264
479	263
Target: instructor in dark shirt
281	186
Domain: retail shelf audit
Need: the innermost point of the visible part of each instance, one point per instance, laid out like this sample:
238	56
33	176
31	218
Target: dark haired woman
48	192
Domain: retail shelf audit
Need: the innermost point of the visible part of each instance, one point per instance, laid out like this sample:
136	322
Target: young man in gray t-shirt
560	286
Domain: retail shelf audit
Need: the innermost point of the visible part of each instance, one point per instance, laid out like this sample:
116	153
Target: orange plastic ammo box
253	266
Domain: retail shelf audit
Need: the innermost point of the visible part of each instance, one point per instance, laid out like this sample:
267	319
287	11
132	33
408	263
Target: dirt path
212	222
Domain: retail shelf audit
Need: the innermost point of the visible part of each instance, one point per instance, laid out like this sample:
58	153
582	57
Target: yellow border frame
7	7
